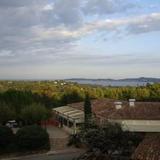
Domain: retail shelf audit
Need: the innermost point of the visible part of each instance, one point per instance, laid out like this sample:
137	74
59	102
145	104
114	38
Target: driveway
58	138
66	156
55	132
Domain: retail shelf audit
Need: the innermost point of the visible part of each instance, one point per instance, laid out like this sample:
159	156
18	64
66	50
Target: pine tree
87	110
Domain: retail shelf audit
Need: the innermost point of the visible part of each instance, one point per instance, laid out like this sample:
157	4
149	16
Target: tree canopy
87	109
34	113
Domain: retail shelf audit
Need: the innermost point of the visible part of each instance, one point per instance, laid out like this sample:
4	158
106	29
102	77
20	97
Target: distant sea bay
115	83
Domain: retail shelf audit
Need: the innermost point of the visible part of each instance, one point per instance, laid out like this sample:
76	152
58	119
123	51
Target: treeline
31	102
58	93
23	106
26	140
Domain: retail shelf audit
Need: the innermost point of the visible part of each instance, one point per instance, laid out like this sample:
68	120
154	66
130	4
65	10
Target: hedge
32	138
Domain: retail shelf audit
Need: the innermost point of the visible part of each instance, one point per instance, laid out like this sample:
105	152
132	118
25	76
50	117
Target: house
69	118
149	148
133	116
142	117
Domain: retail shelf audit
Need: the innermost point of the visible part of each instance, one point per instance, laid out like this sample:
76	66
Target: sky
57	39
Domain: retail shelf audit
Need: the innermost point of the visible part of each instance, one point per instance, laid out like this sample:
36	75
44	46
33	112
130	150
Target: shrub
111	139
32	138
6	138
34	113
75	140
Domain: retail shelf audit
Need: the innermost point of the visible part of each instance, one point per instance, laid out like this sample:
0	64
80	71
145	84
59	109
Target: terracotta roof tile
141	111
149	148
105	108
99	106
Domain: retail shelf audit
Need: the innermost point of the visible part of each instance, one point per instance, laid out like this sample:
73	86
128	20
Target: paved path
58	138
53	157
67	154
55	132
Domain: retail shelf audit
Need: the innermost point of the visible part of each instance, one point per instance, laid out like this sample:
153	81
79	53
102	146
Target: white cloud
36	31
48	7
5	53
132	25
107	6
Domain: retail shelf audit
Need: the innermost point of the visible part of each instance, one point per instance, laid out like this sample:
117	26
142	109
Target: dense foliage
34	113
57	93
28	114
109	141
87	110
23	106
6	113
32	138
110	138
6	138
75	140
18	99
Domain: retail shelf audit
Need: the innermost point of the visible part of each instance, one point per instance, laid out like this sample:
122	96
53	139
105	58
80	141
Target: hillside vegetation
57	93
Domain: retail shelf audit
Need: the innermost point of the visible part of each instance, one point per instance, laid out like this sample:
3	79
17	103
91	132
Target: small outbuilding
70	118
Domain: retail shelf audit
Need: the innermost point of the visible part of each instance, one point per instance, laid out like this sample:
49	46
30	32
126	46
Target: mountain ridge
140	79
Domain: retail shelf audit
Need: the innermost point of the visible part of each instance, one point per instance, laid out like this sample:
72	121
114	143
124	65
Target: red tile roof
105	108
141	111
149	148
99	106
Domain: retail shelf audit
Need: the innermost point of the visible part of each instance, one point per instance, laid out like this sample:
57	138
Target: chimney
132	102
118	105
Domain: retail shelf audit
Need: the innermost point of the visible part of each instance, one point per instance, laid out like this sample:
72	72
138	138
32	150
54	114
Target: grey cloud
107	6
144	24
20	3
5	53
69	12
33	31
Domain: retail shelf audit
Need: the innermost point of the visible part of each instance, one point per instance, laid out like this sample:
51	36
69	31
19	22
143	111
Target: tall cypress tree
87	109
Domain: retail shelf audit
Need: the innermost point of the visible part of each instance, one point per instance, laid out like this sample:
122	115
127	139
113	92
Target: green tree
6	113
87	110
110	139
6	138
34	113
32	138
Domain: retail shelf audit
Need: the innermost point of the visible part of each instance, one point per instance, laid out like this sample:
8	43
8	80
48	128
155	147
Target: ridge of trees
58	93
19	99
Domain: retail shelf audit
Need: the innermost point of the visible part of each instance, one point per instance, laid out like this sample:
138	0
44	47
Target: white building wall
139	125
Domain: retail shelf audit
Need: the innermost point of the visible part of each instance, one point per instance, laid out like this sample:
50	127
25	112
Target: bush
34	113
75	140
32	138
6	138
111	139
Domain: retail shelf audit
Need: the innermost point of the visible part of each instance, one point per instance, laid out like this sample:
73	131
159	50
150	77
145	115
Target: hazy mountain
116	82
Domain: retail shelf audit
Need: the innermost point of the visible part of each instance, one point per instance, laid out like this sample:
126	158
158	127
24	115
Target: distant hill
142	81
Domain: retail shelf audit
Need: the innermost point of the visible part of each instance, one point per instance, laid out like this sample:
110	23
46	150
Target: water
109	82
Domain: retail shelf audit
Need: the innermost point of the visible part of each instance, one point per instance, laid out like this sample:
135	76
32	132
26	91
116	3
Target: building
149	148
142	117
69	117
133	116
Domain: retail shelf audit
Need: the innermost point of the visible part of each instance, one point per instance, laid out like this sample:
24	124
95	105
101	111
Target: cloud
146	23
5	53
101	7
37	31
131	25
20	3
